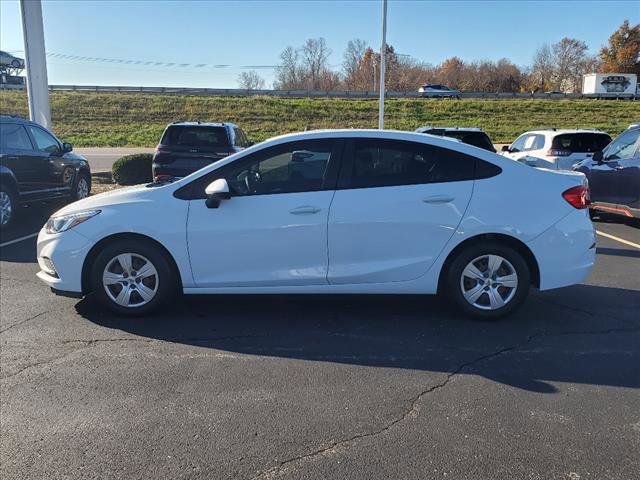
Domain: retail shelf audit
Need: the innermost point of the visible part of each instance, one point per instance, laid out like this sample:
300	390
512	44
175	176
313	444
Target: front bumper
67	251
566	252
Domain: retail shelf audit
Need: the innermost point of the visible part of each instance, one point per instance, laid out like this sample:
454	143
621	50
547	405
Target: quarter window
44	141
381	163
14	137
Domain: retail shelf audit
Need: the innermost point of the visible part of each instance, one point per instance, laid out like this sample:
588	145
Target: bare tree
543	69
571	60
250	80
288	73
314	57
353	56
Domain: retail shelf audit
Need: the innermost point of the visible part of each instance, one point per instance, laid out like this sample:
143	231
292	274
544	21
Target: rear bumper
565	252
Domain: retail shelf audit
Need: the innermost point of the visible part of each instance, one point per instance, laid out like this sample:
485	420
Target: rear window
477	139
196	136
581	142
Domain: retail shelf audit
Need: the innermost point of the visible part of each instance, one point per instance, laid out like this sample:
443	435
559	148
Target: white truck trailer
610	84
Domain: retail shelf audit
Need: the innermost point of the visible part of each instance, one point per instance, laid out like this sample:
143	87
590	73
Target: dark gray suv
188	146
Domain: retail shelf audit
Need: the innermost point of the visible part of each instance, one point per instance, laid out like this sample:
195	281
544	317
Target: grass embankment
137	120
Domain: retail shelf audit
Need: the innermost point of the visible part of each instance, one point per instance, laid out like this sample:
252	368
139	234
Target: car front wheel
81	189
132	277
488	281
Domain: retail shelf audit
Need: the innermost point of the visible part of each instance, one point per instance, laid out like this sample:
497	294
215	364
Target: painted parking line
618	239
16	240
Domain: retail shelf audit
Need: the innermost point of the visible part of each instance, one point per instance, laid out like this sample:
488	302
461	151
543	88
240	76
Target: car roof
201	124
449	129
17	119
561	131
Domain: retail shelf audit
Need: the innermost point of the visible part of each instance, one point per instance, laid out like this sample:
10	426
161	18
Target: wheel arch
8	178
508	240
95	250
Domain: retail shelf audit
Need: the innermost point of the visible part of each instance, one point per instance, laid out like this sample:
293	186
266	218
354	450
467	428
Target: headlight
61	223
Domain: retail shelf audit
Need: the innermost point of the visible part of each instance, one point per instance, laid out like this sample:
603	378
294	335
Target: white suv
556	149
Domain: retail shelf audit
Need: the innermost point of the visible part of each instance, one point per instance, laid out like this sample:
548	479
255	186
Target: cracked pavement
343	387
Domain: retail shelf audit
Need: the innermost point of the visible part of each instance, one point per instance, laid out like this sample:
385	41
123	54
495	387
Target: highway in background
101	159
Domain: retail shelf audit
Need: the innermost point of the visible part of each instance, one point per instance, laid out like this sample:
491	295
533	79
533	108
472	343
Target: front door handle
305	210
437	199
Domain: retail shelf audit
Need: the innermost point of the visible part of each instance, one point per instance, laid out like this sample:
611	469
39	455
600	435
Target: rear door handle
305	210
436	199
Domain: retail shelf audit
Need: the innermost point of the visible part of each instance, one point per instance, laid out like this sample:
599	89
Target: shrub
132	169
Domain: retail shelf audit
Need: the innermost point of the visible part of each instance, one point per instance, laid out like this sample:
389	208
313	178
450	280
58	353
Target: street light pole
383	64
36	62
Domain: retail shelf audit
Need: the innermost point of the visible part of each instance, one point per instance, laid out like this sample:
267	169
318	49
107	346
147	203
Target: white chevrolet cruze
338	211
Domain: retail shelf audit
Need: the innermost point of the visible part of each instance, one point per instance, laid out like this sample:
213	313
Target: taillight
558	153
578	197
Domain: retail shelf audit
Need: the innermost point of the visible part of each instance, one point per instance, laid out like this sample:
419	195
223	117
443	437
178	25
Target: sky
242	34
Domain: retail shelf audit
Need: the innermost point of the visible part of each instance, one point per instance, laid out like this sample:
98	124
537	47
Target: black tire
76	193
453	280
9	193
167	282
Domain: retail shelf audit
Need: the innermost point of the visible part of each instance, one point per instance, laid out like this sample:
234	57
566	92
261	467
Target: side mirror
598	156
217	191
66	147
505	148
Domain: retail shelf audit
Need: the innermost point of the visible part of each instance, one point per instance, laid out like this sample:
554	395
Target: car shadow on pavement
570	335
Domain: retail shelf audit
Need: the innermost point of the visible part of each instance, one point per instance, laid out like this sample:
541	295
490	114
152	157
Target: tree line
554	67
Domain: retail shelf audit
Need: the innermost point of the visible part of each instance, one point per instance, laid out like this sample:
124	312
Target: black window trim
191	191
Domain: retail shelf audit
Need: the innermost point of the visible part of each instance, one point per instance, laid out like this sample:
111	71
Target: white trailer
610	84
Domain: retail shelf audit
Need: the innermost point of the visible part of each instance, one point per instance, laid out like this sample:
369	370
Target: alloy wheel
82	189
130	280
489	282
6	208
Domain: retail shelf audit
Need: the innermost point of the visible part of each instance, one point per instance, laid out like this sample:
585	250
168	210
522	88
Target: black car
614	175
188	146
470	136
35	166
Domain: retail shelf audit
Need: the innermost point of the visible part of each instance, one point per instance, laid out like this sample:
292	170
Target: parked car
188	146
470	136
8	60
36	166
555	148
438	91
390	212
614	175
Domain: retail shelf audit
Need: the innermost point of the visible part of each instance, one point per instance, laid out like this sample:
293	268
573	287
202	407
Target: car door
18	155
606	179
527	146
55	174
273	229
628	172
397	205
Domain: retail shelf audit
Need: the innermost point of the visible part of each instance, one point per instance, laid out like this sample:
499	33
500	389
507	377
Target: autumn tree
622	54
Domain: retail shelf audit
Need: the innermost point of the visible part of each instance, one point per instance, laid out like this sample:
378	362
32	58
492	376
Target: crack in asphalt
17	324
414	407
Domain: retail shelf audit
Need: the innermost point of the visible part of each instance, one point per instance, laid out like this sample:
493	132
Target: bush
132	169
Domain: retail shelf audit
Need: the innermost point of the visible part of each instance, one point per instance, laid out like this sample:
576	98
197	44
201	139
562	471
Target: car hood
134	194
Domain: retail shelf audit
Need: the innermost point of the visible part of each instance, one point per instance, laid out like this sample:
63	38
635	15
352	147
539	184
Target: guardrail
236	92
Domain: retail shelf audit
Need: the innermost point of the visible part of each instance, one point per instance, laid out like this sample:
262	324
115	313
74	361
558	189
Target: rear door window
14	137
527	142
383	163
187	136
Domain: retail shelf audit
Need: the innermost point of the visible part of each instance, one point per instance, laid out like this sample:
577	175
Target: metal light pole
36	62
383	62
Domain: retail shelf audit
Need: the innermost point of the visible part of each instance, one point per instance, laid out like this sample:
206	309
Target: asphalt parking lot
314	387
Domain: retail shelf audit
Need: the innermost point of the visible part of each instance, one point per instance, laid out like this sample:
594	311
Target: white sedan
389	213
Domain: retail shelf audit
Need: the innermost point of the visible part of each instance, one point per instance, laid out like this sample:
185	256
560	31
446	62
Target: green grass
127	119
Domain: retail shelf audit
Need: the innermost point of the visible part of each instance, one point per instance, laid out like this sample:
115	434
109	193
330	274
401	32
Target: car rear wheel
8	206
133	278
488	281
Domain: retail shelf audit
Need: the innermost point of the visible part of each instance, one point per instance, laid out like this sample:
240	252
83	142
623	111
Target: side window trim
34	143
